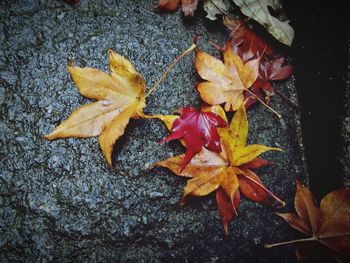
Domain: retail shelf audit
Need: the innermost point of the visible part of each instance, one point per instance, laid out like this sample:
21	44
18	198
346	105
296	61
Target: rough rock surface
59	200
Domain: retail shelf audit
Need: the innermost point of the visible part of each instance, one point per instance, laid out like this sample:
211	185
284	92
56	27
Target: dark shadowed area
321	53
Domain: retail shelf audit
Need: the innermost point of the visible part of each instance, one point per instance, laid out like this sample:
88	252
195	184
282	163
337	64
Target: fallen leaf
119	95
196	129
245	43
258	10
225	171
214	8
188	6
226	81
273	69
269	70
248	46
328	224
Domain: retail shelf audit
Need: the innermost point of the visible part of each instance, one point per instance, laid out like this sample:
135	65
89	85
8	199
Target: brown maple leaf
245	42
226	81
188	6
228	172
328	225
269	70
120	96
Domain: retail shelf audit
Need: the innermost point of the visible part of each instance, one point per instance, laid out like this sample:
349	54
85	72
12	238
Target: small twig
267	106
221	49
152	116
289	102
169	69
313	238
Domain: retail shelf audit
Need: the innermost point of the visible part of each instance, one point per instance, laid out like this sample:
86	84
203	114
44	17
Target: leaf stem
283	96
152	116
313	238
193	46
267	106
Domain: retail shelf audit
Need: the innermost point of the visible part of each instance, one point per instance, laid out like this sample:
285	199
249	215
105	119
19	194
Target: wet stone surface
60	201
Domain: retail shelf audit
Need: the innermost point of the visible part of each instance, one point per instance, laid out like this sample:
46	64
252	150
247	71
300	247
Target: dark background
320	53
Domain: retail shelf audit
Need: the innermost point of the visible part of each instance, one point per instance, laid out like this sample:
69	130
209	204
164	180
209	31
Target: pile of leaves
217	157
226	169
328	226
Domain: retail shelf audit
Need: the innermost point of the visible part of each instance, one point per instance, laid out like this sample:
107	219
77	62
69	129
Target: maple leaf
247	45
269	70
226	81
188	6
328	224
119	95
227	172
196	129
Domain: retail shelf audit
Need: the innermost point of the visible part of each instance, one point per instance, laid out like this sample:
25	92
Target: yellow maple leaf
120	96
226	81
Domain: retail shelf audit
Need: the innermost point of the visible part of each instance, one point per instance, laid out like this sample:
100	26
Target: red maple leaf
269	70
247	45
245	42
196	129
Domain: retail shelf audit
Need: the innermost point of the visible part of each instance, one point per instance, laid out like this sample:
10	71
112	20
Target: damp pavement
60	202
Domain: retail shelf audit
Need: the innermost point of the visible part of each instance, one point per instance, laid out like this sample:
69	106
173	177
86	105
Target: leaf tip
111	52
226	229
153	165
298	181
277	149
71	63
109	160
49	137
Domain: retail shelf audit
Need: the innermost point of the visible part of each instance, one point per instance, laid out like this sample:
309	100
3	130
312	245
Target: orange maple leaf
328	225
120	96
227	172
226	81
